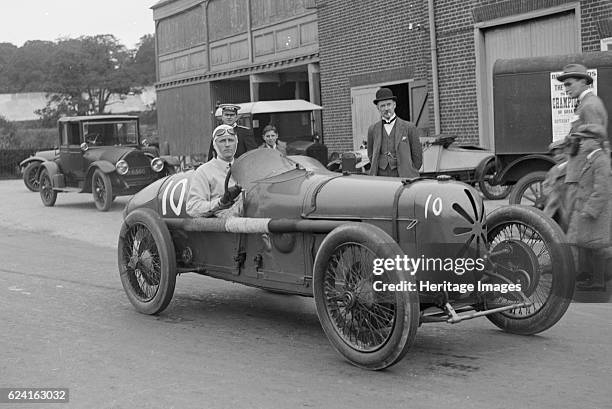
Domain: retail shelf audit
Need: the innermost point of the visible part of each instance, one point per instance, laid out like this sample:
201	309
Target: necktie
388	122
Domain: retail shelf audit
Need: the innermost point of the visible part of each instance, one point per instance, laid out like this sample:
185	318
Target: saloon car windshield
111	133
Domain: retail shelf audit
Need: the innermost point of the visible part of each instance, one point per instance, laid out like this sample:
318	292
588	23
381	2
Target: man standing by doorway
394	147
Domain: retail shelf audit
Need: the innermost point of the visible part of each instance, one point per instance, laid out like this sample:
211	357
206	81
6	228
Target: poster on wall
563	105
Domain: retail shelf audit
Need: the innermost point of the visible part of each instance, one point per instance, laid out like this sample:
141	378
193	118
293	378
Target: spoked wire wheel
142	261
536	257
361	316
529	190
370	326
147	262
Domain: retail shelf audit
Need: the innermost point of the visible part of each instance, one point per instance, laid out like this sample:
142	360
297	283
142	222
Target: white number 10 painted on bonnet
176	207
436	206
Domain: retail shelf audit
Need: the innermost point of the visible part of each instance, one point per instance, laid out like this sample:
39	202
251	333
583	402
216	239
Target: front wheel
532	248
47	194
147	262
371	326
31	176
102	190
529	191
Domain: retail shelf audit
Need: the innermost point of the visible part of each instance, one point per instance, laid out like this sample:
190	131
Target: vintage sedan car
360	245
466	163
102	155
30	167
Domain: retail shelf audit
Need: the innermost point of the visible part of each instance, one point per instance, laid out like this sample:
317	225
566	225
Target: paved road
66	322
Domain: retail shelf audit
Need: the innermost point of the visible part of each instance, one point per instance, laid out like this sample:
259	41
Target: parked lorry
531	109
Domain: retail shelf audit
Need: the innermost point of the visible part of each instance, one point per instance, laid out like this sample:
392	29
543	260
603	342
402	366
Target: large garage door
550	35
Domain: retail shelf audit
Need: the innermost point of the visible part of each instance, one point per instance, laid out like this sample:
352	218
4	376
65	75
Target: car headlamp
157	165
122	167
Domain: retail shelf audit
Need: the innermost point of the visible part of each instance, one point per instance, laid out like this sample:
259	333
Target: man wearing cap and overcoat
591	208
207	196
246	140
394	147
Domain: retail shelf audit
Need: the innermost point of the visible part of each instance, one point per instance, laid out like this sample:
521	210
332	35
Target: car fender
103	165
524	165
51	167
170	160
31	159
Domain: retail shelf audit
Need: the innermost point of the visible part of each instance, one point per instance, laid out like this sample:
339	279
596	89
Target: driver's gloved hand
231	195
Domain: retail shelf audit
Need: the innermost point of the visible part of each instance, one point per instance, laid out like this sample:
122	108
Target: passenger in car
270	138
207	196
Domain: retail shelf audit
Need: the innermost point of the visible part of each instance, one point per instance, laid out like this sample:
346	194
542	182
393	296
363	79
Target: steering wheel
92	138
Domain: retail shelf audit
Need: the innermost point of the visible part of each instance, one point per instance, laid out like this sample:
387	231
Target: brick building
437	56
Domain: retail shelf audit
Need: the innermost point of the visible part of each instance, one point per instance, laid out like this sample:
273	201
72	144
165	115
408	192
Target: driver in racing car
207	196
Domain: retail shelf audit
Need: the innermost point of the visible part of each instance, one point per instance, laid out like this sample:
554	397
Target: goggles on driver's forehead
224	131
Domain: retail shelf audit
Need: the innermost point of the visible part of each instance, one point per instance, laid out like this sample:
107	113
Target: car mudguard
31	159
103	165
524	165
51	167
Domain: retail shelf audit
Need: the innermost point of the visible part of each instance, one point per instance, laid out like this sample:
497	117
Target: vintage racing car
353	242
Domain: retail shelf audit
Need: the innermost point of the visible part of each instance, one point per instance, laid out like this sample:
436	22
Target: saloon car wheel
47	194
31	176
147	262
102	190
491	192
528	190
372	329
533	253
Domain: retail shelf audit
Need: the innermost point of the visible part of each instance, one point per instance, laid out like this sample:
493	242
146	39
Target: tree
84	72
25	68
143	61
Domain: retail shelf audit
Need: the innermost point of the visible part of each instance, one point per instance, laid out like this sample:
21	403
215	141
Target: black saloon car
102	155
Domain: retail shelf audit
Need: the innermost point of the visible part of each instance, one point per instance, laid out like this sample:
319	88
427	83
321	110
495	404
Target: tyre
371	329
534	251
31	176
147	262
102	190
47	194
489	191
528	190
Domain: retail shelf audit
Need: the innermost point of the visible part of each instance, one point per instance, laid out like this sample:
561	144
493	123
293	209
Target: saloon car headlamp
122	167
157	165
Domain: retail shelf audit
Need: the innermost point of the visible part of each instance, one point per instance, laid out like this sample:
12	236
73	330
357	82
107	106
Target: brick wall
357	37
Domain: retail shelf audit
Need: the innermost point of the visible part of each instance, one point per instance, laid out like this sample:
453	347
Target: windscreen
111	133
260	164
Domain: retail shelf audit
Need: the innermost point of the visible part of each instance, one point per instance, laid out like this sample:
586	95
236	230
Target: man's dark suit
246	142
407	147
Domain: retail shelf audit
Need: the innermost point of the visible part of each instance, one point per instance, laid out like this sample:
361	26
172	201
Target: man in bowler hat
394	147
246	140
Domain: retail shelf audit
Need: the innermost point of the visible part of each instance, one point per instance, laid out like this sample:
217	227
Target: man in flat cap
207	196
394	147
589	110
246	140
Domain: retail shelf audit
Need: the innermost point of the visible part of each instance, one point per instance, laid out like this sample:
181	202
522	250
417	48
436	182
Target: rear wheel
31	176
102	190
536	256
370	328
489	191
147	262
47	194
528	190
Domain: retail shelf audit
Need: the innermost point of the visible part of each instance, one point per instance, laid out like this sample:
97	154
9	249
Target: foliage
8	136
79	74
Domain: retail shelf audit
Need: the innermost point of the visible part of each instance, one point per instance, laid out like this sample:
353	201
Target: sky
24	20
